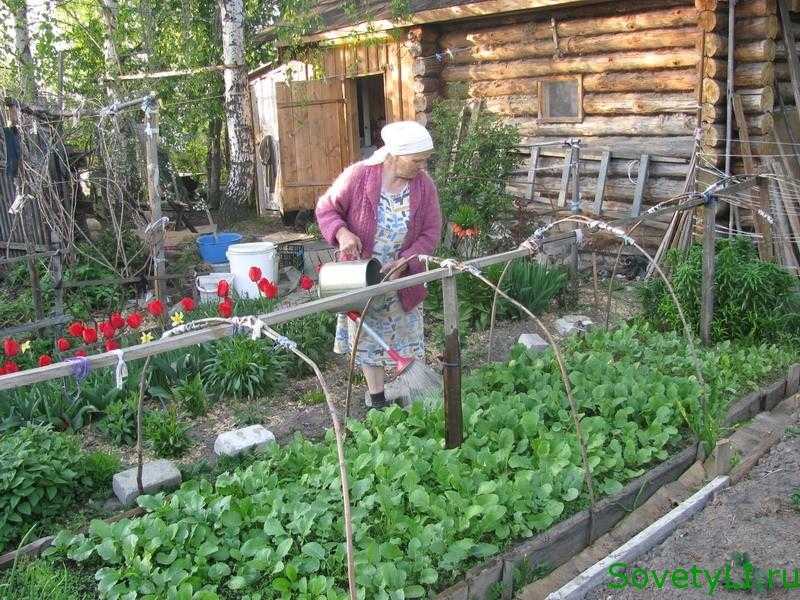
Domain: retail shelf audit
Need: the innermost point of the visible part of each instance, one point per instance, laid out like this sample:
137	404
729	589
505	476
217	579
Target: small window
561	100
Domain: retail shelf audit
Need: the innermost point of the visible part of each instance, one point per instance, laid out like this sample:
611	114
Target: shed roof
336	21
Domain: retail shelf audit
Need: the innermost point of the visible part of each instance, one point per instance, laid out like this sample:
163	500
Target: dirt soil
755	517
288	414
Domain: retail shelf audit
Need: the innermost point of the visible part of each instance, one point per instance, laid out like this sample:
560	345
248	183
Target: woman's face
408	166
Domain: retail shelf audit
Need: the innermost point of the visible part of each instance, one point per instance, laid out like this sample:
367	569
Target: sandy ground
755	518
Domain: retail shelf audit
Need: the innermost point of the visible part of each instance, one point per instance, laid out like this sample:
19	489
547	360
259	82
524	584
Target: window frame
541	93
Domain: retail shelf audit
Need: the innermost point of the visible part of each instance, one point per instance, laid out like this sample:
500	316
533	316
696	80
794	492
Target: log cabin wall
639	63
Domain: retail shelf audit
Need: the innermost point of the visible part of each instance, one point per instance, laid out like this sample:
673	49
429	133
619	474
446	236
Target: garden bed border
562	541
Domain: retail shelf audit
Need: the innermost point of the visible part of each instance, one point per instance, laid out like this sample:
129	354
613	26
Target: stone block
533	341
774	393
231	443
569	324
156	476
793	380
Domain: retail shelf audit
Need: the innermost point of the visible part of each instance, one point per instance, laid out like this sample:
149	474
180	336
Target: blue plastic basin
213	248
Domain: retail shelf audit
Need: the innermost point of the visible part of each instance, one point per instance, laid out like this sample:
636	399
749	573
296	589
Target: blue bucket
213	249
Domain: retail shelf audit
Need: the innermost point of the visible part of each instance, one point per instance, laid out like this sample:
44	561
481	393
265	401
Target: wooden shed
642	83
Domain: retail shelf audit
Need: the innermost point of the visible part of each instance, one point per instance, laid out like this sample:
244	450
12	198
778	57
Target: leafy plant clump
41	475
753	298
423	514
99	469
119	423
167	433
44	579
191	396
534	285
241	367
314	335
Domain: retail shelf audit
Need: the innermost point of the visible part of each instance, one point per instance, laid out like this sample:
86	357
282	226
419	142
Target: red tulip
134	320
225	308
45	360
2	370
62	344
80	352
255	274
306	283
10	367
75	329
155	307
188	304
117	321
268	288
223	288
112	344
107	330
10	347
89	335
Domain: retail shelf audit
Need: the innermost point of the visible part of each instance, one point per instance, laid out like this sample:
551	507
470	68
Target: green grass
44	579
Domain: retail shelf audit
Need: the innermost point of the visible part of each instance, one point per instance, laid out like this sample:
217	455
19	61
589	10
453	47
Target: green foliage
40	477
474	190
99	469
313	397
250	412
119	423
795	498
425	514
167	433
44	580
535	286
241	367
65	408
191	396
753	298
314	335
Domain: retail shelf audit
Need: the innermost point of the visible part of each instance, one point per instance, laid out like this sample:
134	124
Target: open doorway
371	113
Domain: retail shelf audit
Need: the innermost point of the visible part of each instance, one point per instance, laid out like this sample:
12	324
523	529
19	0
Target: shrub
314	335
167	433
241	367
119	423
191	396
753	298
99	469
40	476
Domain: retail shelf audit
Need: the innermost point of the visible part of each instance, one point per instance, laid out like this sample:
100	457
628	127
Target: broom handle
371	332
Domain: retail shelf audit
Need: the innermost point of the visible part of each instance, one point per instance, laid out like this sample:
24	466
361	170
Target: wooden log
622	61
744	8
654	39
747	75
620	189
424	102
517	32
757	51
453	422
782	71
714	135
423	118
676	146
757	28
551	162
663	125
753	101
598	104
427	66
427	84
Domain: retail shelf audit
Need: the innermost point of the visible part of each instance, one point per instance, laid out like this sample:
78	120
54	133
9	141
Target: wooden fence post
151	152
453	423
57	265
709	257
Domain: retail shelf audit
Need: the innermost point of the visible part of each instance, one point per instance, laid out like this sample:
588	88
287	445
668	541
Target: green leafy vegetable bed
422	514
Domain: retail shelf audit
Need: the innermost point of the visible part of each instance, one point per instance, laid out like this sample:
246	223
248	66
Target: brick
231	443
533	341
159	475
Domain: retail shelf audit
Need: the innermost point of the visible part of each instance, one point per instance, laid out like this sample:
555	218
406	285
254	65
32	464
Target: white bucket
263	255
207	285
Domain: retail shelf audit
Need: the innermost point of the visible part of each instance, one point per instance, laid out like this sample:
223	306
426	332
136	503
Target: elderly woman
385	207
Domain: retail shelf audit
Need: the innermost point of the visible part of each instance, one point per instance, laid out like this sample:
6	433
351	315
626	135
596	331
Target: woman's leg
374	376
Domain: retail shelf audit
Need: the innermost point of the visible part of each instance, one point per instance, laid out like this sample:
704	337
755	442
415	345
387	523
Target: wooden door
315	139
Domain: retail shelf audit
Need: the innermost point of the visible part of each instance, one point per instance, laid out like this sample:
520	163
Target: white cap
406	137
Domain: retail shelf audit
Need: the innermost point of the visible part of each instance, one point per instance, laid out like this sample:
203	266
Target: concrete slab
533	341
231	443
156	476
569	324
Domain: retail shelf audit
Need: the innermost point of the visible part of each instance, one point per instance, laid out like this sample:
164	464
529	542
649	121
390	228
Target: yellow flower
177	319
146	337
25	346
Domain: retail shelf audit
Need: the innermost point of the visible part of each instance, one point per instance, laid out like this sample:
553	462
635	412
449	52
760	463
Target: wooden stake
453	423
791	51
151	152
709	255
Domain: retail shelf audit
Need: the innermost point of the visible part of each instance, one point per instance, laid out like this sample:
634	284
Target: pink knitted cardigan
352	202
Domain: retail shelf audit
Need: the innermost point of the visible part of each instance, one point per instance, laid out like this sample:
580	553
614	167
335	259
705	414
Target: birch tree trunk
22	49
110	55
237	105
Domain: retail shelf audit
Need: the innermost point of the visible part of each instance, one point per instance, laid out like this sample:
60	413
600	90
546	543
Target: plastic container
263	255
221	267
212	248
207	285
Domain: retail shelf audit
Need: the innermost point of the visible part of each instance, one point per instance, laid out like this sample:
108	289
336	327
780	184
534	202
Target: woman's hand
349	244
395	263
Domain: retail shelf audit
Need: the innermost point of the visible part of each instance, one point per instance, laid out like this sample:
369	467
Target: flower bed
423	515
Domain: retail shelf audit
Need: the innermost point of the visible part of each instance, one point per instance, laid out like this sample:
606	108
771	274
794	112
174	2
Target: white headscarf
400	138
